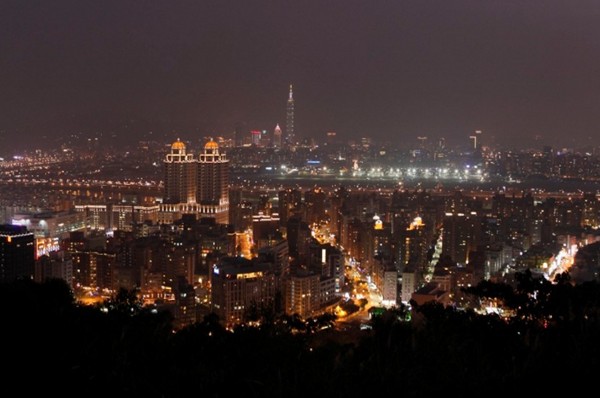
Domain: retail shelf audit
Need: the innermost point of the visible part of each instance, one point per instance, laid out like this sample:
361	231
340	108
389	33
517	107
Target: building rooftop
430	289
239	265
12	230
178	145
211	145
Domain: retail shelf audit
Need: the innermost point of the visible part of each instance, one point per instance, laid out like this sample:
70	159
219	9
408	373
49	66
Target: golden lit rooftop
211	145
178	145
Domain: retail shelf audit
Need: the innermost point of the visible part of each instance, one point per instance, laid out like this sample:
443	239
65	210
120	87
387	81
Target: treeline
54	345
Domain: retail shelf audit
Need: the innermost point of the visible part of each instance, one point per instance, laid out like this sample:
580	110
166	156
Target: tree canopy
63	345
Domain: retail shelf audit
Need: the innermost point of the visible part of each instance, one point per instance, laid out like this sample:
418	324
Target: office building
289	119
277	137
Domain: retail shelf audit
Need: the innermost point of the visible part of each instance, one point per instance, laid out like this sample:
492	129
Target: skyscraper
240	130
213	183
16	253
289	120
255	137
196	186
277	137
461	235
180	175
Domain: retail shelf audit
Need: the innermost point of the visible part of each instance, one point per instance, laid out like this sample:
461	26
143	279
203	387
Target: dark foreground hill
51	344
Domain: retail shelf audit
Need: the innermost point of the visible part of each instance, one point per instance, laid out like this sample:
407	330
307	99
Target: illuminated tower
277	137
180	175
213	184
475	138
255	137
289	120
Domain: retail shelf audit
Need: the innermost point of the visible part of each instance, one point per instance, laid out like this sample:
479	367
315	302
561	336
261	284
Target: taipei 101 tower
289	119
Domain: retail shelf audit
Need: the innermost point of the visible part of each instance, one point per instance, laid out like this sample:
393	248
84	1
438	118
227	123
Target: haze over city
390	71
331	199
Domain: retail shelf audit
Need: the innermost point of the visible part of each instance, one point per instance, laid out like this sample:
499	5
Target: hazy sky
386	69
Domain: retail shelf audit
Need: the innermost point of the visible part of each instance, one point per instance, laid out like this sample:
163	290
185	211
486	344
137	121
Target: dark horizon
513	69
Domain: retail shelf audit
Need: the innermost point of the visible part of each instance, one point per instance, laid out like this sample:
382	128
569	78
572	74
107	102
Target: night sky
386	69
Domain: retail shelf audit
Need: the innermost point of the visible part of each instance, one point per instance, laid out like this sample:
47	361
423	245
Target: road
361	289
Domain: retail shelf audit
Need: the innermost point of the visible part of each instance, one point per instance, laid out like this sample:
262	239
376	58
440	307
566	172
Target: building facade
237	285
196	186
277	137
213	183
302	294
180	175
17	253
289	119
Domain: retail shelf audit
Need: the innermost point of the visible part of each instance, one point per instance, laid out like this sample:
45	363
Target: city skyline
391	72
300	199
218	258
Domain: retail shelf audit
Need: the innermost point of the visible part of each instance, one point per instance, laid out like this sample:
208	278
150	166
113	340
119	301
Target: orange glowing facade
213	183
180	175
196	185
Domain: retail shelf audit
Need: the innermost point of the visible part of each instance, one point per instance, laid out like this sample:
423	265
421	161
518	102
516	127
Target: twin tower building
200	185
197	185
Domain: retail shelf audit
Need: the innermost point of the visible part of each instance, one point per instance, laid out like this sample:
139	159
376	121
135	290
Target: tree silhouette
114	351
125	302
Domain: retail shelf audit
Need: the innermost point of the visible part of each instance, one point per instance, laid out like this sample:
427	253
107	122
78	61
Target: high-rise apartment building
213	183
196	186
302	294
17	253
180	175
461	235
237	285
